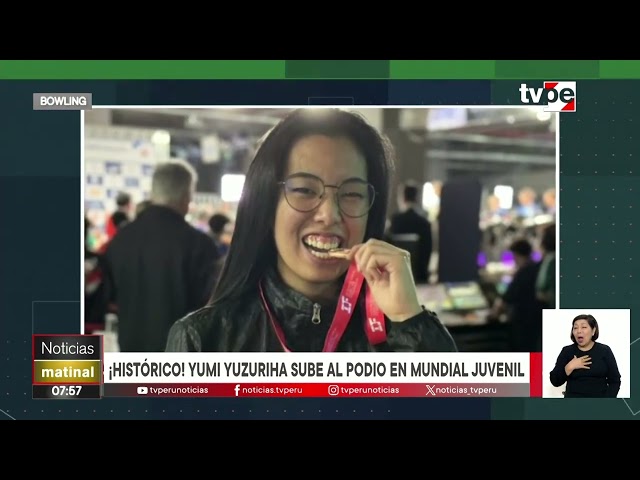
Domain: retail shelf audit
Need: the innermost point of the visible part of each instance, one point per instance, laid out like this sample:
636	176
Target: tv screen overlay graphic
67	366
75	367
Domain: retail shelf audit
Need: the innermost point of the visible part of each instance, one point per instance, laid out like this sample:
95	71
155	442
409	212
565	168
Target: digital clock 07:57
66	391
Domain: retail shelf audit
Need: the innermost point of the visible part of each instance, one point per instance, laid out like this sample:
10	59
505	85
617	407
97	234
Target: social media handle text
267	390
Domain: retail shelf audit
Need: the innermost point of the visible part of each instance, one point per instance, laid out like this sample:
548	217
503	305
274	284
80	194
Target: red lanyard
374	326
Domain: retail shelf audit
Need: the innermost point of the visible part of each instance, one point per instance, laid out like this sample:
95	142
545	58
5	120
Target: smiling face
583	333
301	237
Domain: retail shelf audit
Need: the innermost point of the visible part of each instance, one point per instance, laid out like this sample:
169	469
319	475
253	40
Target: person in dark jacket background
159	268
412	220
319	180
519	301
120	217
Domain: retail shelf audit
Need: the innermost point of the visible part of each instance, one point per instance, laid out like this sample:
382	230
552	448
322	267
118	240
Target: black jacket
158	269
244	326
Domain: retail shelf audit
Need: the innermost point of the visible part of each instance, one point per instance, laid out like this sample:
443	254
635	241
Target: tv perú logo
557	96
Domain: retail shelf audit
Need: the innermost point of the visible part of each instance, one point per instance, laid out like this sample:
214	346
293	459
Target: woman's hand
387	270
576	363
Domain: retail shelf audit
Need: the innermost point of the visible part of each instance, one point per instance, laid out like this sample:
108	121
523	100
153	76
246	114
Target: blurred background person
519	302
411	219
159	268
546	279
527	206
95	306
121	216
117	220
218	224
493	213
549	201
217	229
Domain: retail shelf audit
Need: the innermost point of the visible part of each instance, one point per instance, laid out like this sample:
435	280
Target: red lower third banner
302	390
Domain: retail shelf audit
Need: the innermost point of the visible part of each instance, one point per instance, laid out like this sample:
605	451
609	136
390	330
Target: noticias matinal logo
557	96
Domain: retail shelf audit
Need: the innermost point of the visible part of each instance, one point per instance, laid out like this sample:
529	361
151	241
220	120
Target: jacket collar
294	312
157	211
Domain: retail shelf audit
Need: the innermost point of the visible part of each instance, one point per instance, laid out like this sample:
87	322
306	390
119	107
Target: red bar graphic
535	374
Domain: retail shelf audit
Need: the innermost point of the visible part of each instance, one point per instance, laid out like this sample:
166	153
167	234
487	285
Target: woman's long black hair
253	248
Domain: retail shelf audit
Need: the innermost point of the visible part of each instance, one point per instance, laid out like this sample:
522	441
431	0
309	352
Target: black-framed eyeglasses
305	192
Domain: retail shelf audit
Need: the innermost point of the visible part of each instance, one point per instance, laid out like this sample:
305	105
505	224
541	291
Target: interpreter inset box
586	353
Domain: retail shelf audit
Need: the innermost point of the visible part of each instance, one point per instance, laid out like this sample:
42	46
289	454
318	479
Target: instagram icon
334	390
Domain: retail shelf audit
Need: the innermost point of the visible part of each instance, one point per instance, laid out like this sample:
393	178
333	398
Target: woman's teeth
319	254
320	246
